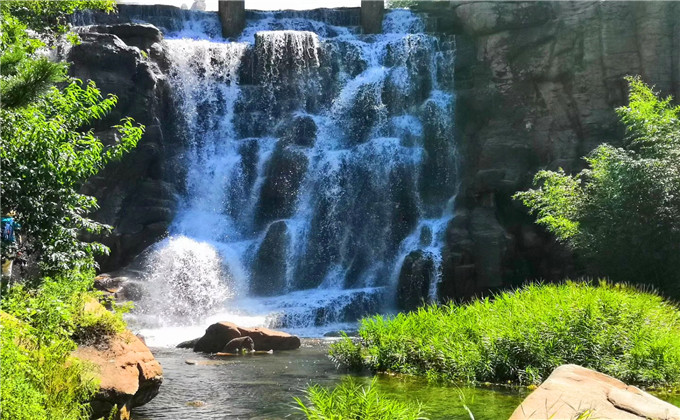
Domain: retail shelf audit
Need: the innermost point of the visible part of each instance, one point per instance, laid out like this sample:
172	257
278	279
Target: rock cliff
537	84
135	195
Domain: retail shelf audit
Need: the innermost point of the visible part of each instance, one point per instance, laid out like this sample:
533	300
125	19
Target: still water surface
263	387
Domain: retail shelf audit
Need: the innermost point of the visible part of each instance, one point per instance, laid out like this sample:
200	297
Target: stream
263	387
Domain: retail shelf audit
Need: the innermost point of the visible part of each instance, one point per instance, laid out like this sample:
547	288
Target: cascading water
316	161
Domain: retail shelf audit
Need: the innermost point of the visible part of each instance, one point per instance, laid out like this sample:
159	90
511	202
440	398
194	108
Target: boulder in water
130	375
414	280
218	335
266	339
572	389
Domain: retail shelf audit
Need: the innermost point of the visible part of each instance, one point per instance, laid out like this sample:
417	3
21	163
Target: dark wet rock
140	35
365	113
238	345
270	263
279	193
132	194
300	131
437	176
189	344
415	277
336	334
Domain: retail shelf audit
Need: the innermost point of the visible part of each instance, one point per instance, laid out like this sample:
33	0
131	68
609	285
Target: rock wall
536	85
134	194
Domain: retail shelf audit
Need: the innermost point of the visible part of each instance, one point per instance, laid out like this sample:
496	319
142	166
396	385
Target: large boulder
130	375
572	390
218	335
266	339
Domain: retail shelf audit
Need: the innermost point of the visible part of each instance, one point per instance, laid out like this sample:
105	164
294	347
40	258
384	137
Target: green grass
39	330
522	336
351	400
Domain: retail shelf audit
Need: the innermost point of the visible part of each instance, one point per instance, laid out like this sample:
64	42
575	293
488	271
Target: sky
260	4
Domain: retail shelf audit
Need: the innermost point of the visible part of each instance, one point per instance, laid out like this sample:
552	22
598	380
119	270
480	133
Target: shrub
522	336
39	379
352	400
622	214
40	329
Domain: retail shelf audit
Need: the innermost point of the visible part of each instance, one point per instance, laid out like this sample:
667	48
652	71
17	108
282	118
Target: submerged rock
571	389
189	344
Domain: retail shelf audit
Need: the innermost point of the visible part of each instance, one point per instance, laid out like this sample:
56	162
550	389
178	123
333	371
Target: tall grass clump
352	400
522	336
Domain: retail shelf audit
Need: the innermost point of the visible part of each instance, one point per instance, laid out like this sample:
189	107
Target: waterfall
317	160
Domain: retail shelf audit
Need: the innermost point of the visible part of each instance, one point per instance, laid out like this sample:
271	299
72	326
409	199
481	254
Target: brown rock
266	339
216	337
130	375
572	390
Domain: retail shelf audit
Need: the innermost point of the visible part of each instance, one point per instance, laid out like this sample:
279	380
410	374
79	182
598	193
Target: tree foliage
47	149
622	213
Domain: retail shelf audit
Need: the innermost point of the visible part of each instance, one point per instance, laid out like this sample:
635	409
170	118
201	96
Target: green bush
351	400
40	329
622	214
522	336
40	380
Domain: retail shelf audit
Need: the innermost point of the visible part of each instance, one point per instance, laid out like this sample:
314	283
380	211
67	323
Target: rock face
415	277
218	335
283	177
135	195
572	390
536	85
270	263
130	376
